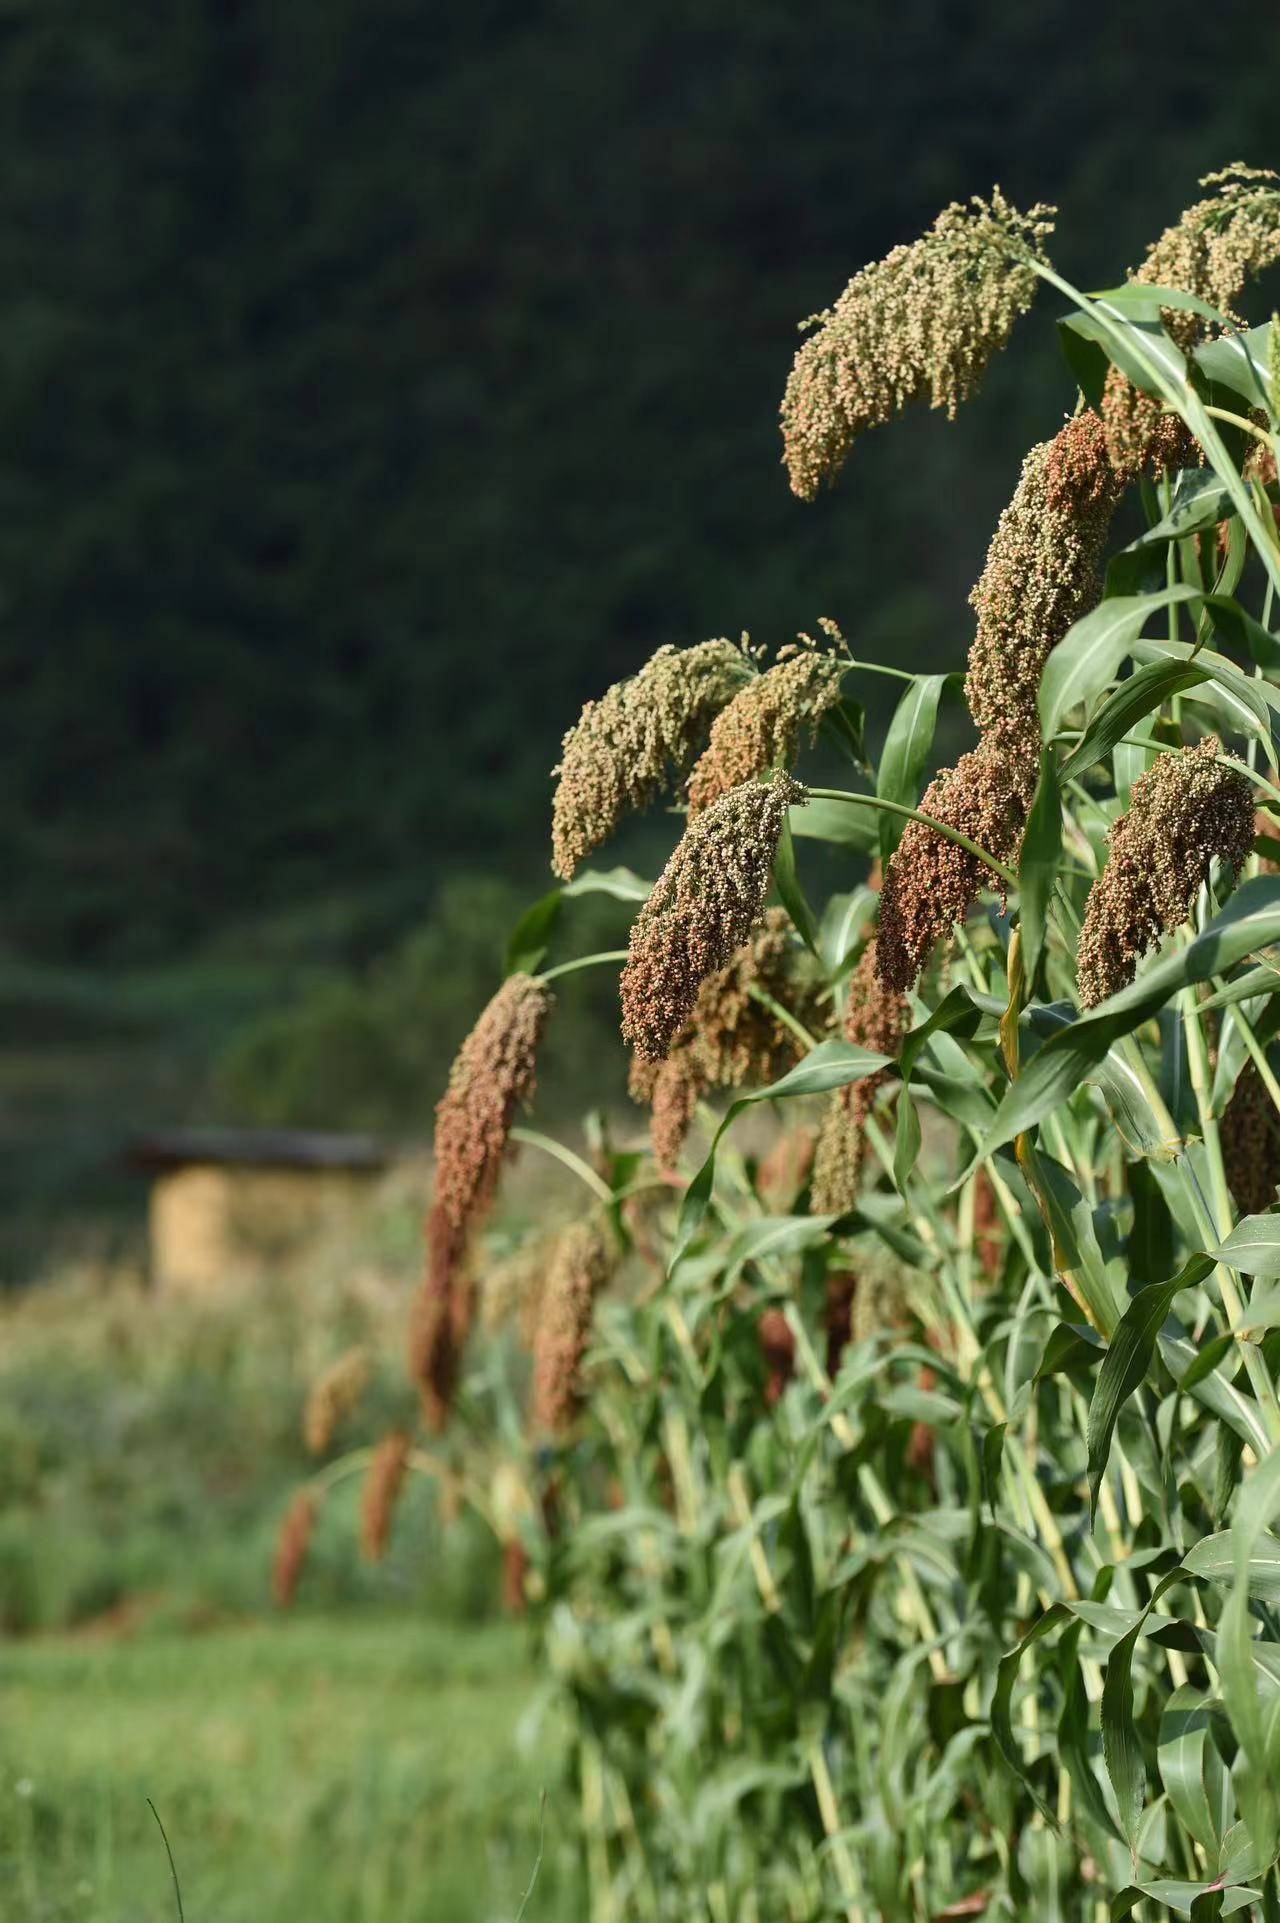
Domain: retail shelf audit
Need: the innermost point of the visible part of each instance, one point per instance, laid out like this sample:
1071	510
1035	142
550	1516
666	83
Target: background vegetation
341	347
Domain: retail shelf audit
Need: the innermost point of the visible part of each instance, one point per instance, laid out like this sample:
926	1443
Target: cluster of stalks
896	1494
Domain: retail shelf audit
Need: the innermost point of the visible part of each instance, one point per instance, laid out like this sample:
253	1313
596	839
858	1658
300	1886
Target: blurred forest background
379	382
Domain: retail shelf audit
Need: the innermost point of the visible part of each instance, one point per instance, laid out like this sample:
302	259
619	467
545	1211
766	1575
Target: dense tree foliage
343	345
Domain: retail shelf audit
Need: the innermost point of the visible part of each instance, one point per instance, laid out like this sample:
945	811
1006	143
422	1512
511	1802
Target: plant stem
585	1173
1198	1064
583	961
1007	875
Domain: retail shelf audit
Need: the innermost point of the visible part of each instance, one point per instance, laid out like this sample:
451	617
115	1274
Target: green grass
362	1769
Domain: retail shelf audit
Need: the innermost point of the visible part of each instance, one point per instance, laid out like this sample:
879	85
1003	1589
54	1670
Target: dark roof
257	1148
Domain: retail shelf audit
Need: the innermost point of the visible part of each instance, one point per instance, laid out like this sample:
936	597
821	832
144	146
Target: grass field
367	1768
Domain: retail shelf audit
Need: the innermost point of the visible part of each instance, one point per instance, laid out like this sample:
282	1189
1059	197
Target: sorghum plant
902	1484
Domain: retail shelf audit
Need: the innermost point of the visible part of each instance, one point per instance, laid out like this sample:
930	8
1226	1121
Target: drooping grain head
777	1352
732	1039
671	1090
703	908
876	1017
495	1070
629	746
921	324
437	1320
1042	573
292	1547
762	725
931	883
382	1487
1185	811
1250	1130
579	1269
1213	251
842	1289
333	1397
786	1168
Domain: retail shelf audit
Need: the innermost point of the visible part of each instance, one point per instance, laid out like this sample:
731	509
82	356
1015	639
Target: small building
231	1205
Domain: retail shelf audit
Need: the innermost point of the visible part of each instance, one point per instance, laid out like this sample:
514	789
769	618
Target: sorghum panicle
333	1397
731	1039
703	907
784	1171
1187	809
495	1070
1043	571
1250	1132
922	323
292	1546
440	1317
778	1352
579	1269
628	746
381	1492
842	1288
876	1018
1212	251
931	883
763	723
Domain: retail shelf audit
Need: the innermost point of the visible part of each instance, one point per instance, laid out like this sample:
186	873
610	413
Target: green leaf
1135	698
1244	701
790	892
1190	1767
906	752
1254	1724
1089	655
622	883
1038	864
836	821
1002	1701
1253	1247
1238	361
830	1065
1213	1557
1250	921
1200	500
1076	1254
531	936
1121	1745
1127	1360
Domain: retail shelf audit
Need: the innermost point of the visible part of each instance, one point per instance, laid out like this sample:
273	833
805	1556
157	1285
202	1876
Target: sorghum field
860	1500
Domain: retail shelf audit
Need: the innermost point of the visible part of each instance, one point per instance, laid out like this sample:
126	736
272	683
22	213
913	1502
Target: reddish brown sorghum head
440	1317
1042	573
704	906
333	1397
988	1232
292	1545
842	1287
930	882
1250	1132
731	1039
1187	809
876	1018
579	1269
672	1091
784	1171
1213	250
494	1071
628	746
922	323
382	1487
763	723
778	1352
